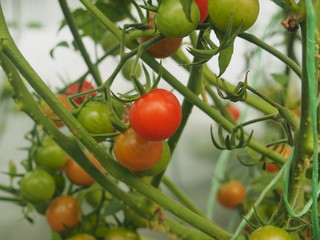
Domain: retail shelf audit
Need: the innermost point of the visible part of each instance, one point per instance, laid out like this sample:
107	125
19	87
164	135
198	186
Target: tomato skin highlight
63	211
136	153
231	194
270	233
241	10
203	8
38	186
156	115
171	20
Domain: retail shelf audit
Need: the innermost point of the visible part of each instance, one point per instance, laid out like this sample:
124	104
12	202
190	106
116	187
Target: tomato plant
172	22
49	112
50	155
82	236
243	12
77	175
79	88
63	212
126	69
135	152
203	7
37	186
270	233
166	47
156	115
234	112
94	117
121	234
231	194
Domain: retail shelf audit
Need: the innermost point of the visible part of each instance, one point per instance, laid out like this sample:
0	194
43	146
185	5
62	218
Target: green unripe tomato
121	234
94	197
37	186
161	164
109	41
126	69
270	233
82	236
94	117
171	21
240	10
50	155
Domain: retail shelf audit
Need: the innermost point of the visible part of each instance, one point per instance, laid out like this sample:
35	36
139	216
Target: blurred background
34	26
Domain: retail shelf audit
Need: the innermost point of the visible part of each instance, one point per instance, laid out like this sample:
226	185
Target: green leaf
60	44
225	58
282	79
186	5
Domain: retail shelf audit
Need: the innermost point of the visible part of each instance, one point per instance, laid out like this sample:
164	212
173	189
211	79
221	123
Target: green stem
181	196
68	17
284	58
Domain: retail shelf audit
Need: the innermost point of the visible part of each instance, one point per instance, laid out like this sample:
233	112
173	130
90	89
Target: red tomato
135	152
203	7
234	112
271	167
63	211
231	194
165	47
75	88
156	115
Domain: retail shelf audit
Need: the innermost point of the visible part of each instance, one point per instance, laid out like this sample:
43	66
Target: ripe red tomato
203	7
271	167
77	175
121	234
171	21
231	194
135	152
270	233
75	88
165	47
63	211
245	11
156	115
50	155
234	112
94	117
82	236
50	114
37	186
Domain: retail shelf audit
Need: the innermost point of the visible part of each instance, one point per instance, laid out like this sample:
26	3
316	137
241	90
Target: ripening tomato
203	7
77	175
241	11
94	117
165	47
136	153
234	112
284	151
271	167
37	186
75	88
160	165
50	155
64	211
231	194
270	233
82	236
121	234
156	115
171	21
49	112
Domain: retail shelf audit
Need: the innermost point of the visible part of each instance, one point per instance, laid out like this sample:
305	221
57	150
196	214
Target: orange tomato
77	175
231	194
51	114
63	211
